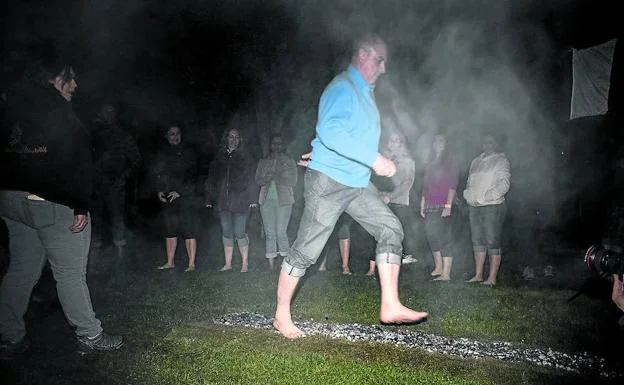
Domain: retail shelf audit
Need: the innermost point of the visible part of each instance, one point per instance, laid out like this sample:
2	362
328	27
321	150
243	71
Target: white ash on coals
462	347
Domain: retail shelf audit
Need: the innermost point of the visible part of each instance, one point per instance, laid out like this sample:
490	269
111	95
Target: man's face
174	136
65	83
372	62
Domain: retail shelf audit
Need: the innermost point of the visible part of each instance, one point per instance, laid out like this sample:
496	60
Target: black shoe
12	349
101	342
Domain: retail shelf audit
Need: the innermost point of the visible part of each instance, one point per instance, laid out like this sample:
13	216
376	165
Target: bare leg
479	258
283	323
371	268
437	260
447	263
244	250
191	250
392	311
345	248
170	246
323	265
271	263
495	261
227	252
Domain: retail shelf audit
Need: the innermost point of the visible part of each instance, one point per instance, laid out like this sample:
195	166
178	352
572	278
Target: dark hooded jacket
45	149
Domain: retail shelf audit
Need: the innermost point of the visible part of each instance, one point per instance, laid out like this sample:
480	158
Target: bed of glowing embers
583	363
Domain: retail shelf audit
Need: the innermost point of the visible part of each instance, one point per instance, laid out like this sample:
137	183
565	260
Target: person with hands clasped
177	174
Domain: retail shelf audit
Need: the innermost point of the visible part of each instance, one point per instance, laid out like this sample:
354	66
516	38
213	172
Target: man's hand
161	197
80	222
618	292
305	159
253	205
384	166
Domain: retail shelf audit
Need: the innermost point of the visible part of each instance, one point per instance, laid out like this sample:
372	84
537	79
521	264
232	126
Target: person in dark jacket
45	190
176	176
116	159
230	187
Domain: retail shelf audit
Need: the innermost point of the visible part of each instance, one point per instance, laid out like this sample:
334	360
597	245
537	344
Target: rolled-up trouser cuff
479	249
292	271
270	255
388	258
242	242
228	242
494	251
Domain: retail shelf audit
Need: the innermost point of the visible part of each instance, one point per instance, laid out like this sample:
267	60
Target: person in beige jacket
277	176
488	182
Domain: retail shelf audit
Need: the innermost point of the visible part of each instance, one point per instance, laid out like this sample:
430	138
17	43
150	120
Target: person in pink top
439	187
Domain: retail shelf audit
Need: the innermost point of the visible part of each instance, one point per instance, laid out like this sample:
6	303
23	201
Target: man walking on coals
337	180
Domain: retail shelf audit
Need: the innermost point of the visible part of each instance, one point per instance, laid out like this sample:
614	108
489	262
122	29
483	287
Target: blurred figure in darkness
489	179
176	174
230	188
277	176
337	180
116	160
45	191
617	295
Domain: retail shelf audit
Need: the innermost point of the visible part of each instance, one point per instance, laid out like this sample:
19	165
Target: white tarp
591	73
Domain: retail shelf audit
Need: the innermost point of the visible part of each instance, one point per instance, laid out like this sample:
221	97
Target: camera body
604	262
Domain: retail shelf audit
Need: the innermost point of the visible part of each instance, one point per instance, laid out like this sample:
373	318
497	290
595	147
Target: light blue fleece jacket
348	129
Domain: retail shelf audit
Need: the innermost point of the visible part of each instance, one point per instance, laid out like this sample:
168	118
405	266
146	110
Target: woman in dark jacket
231	189
176	172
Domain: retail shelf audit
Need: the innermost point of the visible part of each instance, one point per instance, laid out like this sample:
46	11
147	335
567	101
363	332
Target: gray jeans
325	201
275	219
40	230
486	227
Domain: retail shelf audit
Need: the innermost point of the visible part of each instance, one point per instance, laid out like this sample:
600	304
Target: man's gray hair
366	42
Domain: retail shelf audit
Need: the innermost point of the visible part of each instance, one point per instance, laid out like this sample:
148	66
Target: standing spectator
176	179
344	151
231	188
488	182
436	205
45	190
116	159
398	198
277	176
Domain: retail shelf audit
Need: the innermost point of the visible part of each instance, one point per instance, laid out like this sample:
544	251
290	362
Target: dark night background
261	65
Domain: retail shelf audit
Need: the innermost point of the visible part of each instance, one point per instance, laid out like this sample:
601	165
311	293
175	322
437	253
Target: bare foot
225	268
244	269
166	266
322	268
370	273
287	328
488	283
435	273
441	278
474	279
190	268
400	314
346	271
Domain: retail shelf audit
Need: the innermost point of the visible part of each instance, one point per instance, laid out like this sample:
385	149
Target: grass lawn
165	318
